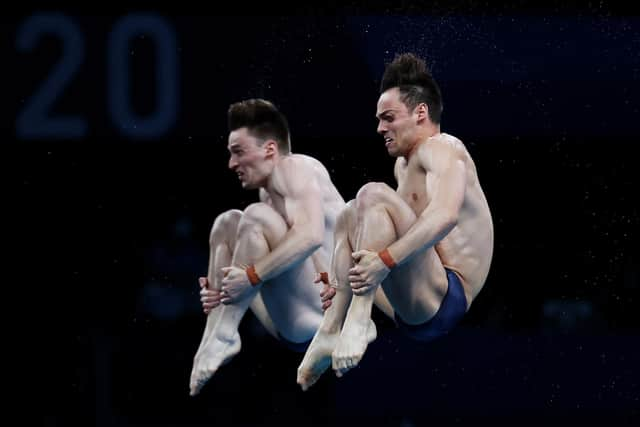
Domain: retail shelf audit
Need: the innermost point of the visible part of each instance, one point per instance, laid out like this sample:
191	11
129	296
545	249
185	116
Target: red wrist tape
324	277
386	257
253	276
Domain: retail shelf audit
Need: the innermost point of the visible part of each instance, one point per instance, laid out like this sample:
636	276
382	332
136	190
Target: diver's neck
424	137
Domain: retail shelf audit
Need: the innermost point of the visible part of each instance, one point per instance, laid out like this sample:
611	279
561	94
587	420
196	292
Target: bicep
446	180
304	206
303	201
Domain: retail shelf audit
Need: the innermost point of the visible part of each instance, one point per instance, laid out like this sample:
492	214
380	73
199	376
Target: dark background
113	228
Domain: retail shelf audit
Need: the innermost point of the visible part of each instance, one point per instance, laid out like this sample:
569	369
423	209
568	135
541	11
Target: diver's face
248	158
395	123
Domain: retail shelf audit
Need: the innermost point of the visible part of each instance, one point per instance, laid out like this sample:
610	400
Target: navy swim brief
452	309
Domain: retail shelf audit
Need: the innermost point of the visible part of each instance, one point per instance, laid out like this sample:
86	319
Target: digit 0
118	93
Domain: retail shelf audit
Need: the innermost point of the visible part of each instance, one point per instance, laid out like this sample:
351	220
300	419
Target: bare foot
317	358
212	319
215	354
353	341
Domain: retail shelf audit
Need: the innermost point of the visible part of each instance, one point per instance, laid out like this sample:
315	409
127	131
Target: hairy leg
318	356
259	228
222	240
413	289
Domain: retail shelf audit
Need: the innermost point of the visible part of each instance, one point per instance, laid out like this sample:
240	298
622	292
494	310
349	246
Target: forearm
429	229
294	247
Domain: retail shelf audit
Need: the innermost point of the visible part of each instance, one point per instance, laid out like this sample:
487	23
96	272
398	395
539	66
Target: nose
233	164
381	128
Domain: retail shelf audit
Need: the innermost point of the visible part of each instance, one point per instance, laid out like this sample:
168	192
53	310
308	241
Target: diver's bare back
468	248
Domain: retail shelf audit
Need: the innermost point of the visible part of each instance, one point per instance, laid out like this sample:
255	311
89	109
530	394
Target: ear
270	147
422	111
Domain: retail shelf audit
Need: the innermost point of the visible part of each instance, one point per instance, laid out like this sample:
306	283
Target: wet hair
411	76
263	120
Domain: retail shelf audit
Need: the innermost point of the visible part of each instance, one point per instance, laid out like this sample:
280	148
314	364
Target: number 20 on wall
35	121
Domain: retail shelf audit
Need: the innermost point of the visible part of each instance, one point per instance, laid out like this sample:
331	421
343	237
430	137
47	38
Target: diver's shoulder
305	160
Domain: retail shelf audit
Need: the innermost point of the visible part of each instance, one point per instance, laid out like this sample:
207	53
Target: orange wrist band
386	257
253	276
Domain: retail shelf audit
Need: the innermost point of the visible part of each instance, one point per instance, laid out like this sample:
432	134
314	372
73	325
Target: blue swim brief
298	347
452	309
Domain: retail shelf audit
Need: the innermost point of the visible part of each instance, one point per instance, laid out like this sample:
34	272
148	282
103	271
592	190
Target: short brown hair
263	120
411	76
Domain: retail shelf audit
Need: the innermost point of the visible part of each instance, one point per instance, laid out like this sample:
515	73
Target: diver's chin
248	185
393	151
